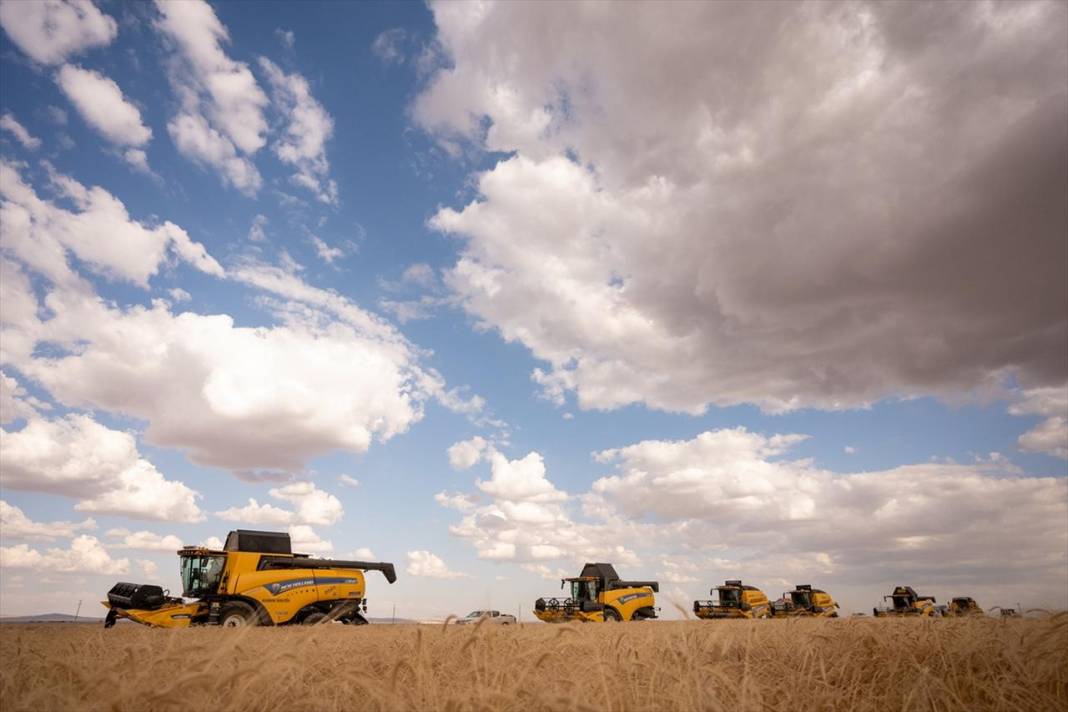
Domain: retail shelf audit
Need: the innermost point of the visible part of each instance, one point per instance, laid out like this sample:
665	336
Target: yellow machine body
734	600
805	601
236	586
905	602
599	595
964	606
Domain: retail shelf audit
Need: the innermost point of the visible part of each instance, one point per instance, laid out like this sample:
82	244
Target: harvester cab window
802	599
201	574
584	590
729	597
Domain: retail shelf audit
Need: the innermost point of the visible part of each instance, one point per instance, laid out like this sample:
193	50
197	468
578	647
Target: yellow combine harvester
805	601
906	602
255	580
598	594
962	606
734	600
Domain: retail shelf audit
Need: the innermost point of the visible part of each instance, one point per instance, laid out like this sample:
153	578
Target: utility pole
77	611
394	614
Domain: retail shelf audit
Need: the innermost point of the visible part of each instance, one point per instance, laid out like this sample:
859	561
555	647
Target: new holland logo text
276	588
632	596
282	586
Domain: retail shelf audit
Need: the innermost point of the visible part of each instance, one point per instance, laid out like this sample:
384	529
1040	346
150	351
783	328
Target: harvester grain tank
906	602
598	594
734	600
256	579
962	606
805	601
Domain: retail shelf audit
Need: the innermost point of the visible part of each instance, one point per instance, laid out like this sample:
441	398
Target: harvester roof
605	572
258	542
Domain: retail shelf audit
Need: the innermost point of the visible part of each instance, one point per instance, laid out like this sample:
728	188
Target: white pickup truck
491	618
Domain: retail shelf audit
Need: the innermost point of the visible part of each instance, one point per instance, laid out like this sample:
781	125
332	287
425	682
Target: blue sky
704	311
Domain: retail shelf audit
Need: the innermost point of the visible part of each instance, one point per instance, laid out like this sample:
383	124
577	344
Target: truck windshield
201	574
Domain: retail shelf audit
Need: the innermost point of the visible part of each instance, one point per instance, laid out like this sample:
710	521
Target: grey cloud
783	204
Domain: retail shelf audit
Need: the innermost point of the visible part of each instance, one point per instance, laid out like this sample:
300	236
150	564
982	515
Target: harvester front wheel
611	615
237	614
313	618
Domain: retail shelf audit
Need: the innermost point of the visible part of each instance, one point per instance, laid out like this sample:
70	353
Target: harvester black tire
611	615
313	618
237	614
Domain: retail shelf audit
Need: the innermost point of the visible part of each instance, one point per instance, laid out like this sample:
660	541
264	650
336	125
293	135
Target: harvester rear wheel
237	614
313	618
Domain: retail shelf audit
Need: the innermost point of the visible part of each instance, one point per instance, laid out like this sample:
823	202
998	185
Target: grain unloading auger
598	594
255	580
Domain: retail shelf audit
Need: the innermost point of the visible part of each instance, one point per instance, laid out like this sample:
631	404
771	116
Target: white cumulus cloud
424	563
311	506
101	103
466	453
14	524
99	231
76	456
49	31
148	541
85	555
308	127
1051	434
306	540
10	124
221	120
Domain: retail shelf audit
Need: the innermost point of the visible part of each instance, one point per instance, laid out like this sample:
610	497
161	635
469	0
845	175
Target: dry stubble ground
848	664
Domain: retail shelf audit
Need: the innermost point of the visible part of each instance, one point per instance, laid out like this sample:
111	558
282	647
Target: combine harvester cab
905	602
597	595
805	601
963	606
734	600
255	580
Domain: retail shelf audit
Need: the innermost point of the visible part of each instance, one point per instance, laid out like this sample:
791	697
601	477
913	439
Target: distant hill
50	618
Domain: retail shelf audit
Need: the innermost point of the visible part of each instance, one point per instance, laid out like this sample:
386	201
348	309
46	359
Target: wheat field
846	664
